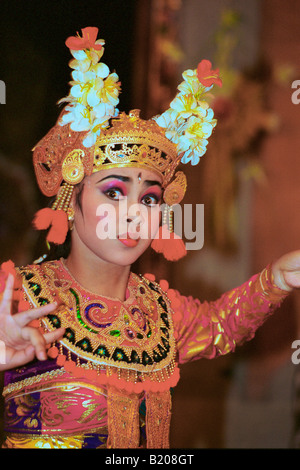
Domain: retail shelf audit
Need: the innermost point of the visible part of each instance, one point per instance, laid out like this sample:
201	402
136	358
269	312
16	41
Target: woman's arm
211	329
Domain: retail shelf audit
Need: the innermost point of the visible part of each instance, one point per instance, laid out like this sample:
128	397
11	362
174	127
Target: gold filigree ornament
134	142
166	240
72	167
173	194
175	191
60	217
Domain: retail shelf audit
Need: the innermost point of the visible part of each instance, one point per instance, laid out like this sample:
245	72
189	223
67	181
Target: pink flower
88	40
206	75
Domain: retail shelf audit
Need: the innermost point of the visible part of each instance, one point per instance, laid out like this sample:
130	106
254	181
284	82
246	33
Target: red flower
206	75
88	40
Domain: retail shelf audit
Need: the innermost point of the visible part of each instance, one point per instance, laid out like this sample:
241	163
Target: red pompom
59	229
61	359
169	244
53	352
149	276
43	218
69	366
91	375
77	371
57	220
8	267
164	284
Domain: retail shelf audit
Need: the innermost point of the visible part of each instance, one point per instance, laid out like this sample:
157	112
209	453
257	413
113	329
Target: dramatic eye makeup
152	196
114	189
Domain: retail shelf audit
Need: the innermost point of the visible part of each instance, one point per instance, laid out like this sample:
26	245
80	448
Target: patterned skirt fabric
65	417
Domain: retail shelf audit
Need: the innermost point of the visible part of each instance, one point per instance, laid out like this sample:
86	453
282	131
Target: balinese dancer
92	349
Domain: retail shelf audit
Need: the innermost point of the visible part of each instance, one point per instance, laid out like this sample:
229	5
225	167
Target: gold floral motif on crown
134	142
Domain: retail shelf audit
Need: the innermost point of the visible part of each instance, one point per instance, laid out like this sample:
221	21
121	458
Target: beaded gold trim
15	387
151	351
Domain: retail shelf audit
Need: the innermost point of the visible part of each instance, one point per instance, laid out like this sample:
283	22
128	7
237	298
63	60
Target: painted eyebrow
127	179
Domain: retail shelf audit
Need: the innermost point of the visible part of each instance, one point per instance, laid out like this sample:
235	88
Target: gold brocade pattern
158	417
123	419
59	405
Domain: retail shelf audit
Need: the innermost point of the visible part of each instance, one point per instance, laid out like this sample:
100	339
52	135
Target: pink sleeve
211	329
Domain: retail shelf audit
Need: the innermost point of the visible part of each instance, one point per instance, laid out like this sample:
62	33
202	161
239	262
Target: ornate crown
132	141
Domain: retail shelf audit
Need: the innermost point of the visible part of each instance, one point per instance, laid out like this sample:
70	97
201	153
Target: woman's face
119	214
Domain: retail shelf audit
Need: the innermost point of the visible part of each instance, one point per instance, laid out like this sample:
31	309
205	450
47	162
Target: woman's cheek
106	221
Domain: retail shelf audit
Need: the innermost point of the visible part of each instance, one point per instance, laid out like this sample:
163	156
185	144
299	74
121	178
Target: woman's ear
76	200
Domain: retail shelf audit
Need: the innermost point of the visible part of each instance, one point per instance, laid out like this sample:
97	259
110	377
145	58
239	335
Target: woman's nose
135	218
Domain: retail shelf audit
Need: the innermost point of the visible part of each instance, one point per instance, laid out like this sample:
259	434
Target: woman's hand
21	343
286	271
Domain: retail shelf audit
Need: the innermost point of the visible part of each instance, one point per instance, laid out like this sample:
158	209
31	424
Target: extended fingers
7	295
53	336
23	318
37	340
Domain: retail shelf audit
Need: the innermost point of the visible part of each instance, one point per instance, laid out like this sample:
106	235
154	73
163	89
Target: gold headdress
91	135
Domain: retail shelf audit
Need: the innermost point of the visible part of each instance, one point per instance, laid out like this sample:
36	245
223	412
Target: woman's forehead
139	174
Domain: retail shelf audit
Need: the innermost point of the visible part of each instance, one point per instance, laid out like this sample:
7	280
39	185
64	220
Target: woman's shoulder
173	296
25	272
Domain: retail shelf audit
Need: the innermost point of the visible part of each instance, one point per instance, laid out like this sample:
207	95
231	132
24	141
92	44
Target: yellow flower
110	91
187	105
193	141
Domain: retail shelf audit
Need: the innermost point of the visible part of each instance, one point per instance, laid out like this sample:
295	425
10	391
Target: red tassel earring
57	217
166	241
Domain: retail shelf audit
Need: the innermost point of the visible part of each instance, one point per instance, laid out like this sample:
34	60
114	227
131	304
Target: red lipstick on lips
127	241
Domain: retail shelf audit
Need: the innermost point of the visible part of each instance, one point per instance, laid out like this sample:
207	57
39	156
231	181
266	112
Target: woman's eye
150	200
113	193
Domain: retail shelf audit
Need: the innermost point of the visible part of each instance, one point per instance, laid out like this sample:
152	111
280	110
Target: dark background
34	66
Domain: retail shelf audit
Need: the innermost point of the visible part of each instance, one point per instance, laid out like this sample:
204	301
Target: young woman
92	350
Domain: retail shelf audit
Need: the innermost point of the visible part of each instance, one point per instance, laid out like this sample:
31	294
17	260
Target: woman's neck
98	276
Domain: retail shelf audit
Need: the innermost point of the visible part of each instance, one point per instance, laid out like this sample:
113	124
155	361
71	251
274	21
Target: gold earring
71	214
